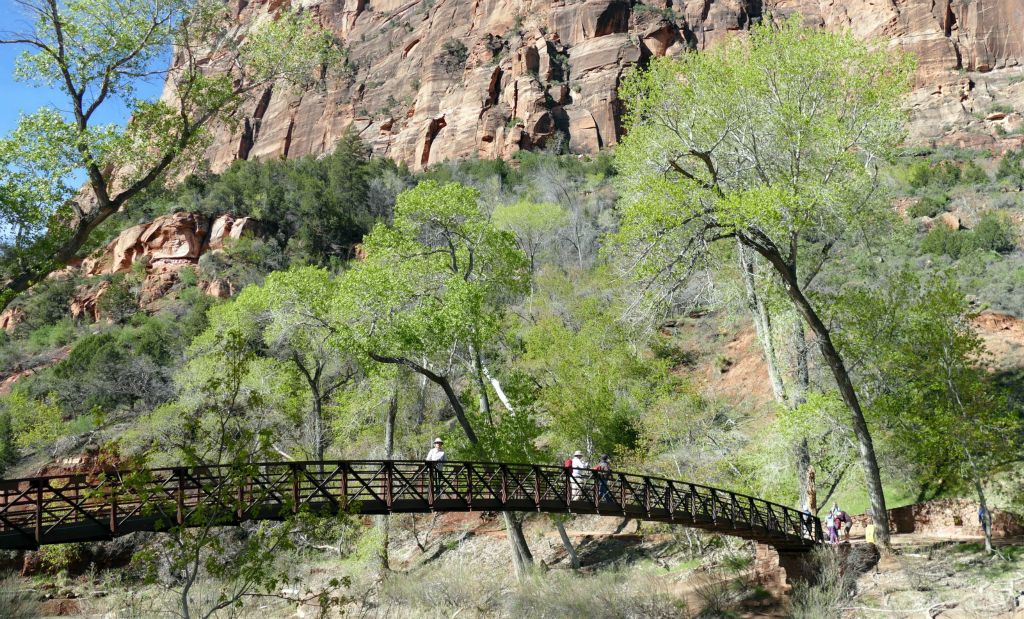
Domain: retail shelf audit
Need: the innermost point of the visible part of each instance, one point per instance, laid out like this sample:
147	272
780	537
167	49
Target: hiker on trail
602	470
847	521
832	525
436	453
835	511
983	520
579	465
808	520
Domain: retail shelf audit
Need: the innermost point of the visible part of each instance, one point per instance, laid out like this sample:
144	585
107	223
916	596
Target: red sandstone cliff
538	69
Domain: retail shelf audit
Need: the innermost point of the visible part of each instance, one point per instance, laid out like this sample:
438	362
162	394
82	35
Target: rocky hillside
431	80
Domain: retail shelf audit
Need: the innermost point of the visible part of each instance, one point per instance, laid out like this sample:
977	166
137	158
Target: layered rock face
163	247
543	70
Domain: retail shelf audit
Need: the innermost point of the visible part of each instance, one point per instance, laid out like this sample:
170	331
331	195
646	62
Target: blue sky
19	97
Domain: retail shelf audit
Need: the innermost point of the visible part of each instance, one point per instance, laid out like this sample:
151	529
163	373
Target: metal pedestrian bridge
100	506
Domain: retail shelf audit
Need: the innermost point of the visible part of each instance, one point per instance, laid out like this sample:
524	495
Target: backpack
568	463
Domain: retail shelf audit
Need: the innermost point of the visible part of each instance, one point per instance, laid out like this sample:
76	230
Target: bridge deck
92	507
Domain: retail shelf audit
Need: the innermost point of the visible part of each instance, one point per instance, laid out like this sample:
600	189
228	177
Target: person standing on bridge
579	465
602	470
436	453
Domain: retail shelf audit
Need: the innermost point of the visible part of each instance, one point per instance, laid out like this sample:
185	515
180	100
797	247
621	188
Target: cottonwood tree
773	142
94	53
211	564
926	369
290	318
430	296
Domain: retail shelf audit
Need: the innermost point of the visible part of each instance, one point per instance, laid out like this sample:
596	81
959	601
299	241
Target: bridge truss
100	506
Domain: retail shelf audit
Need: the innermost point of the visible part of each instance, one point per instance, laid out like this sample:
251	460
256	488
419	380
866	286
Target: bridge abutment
777	570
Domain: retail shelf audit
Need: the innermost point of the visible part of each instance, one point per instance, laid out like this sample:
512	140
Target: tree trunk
574	559
521	555
762	323
801	371
986	518
865	444
521	550
384	522
804	472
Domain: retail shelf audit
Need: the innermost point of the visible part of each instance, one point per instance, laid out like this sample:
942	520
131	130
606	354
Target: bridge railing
82	507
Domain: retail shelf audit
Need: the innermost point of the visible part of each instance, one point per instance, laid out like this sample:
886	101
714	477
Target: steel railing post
430	485
39	510
296	494
180	498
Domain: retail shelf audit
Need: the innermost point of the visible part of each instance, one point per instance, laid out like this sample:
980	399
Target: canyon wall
536	71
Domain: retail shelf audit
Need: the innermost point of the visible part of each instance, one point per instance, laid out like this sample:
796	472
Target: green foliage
45	305
691	118
929	206
1011	168
120	300
289	319
35	423
943	240
8	444
534	225
926	368
453	55
993	233
310	210
93	52
60	557
945	174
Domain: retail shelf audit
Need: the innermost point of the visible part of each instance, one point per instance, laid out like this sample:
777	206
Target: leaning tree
95	54
773	143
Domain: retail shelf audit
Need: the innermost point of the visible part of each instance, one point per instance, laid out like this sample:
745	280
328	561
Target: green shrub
52	336
972	174
120	300
60	557
1011	168
35	423
929	206
45	304
994	232
943	240
453	55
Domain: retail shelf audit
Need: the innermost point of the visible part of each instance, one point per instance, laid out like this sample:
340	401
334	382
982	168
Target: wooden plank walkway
91	507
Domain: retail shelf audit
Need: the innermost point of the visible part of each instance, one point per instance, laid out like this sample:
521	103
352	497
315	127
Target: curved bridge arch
93	507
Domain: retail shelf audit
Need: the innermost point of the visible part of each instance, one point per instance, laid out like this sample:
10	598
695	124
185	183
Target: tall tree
927	370
290	318
94	52
772	141
430	296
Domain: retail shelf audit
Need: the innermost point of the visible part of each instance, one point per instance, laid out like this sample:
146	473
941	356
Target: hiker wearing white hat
579	466
436	453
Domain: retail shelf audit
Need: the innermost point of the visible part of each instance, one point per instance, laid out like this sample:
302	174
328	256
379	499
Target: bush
972	174
120	300
35	423
929	206
1011	168
453	55
835	585
45	304
945	174
994	232
943	240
